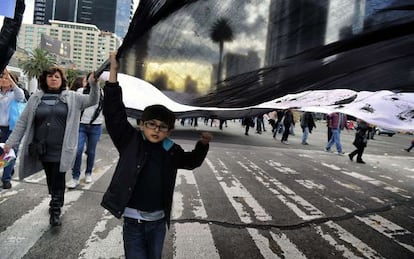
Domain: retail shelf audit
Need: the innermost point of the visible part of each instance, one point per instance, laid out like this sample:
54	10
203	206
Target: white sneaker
88	178
73	183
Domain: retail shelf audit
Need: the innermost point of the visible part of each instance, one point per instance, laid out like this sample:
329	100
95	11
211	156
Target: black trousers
359	151
55	179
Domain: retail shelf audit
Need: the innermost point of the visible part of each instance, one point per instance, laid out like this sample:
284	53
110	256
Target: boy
142	187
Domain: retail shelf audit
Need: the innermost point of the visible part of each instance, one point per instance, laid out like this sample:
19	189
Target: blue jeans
90	135
144	240
335	139
305	134
8	171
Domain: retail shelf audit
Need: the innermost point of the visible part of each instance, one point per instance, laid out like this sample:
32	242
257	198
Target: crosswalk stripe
109	245
346	240
296	203
18	238
194	240
389	229
234	190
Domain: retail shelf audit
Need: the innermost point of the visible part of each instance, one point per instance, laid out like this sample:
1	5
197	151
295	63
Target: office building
108	15
88	47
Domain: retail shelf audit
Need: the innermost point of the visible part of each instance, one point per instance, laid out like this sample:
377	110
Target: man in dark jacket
307	123
142	187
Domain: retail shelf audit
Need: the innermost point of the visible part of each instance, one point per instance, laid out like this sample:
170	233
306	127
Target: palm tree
38	61
71	75
221	32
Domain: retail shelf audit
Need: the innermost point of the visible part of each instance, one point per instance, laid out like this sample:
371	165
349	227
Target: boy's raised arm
113	69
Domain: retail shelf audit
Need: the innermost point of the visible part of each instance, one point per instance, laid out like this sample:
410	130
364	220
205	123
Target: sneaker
341	153
7	185
88	178
327	150
73	183
285	142
305	143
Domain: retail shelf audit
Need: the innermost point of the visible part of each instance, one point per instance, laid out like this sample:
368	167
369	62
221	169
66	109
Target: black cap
159	112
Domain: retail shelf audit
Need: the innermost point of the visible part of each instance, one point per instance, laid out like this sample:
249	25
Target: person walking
287	123
248	122
307	124
50	124
90	130
337	122
142	187
410	147
9	91
360	141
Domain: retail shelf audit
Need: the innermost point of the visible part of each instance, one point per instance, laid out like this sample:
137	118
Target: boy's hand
206	137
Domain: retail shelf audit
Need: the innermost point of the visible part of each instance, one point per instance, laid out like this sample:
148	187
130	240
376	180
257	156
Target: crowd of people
56	115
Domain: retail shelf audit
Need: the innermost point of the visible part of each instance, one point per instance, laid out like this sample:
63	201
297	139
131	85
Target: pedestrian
360	141
90	130
328	127
248	123
271	119
50	124
259	124
9	91
287	123
307	124
337	122
142	187
410	147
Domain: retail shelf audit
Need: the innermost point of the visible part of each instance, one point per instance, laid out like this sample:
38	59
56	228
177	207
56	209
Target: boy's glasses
153	125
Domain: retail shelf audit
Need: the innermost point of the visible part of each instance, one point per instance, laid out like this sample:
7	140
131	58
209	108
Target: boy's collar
167	143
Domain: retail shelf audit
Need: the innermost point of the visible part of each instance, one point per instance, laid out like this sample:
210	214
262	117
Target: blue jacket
130	144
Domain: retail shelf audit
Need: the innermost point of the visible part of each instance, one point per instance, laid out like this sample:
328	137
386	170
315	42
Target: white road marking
100	246
238	195
389	229
310	184
194	240
18	238
302	208
342	239
379	183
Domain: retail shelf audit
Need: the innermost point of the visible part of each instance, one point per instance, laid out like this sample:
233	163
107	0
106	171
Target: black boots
56	204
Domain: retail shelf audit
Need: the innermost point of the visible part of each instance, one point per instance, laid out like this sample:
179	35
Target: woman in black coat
360	142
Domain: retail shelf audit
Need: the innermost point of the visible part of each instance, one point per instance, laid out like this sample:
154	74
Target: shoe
285	142
73	183
7	185
88	178
360	162
247	134
305	143
327	150
406	149
341	153
350	157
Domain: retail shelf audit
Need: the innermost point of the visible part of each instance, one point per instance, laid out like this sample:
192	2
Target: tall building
84	44
293	27
108	15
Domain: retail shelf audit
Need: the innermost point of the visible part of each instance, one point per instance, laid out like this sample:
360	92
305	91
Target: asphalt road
253	197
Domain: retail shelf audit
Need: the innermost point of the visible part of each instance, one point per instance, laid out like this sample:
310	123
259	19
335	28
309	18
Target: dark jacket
130	144
361	135
307	120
